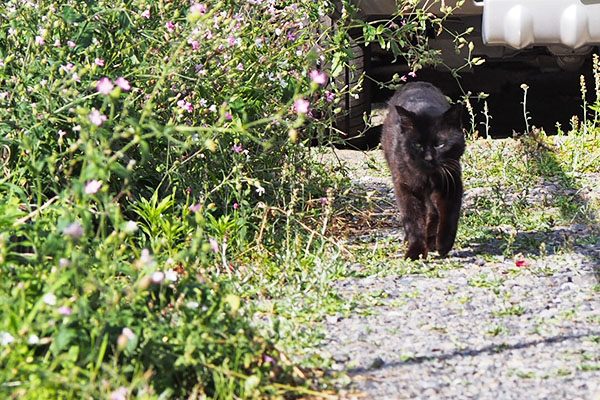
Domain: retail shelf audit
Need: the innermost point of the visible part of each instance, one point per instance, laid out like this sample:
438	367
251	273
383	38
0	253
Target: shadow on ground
490	349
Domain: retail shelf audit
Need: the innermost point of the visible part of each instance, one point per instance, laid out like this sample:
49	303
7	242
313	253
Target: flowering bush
147	150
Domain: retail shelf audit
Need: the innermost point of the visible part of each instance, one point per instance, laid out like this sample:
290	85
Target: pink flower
39	40
195	207
301	106
403	78
329	96
214	245
96	118
146	14
269	359
237	148
99	62
104	86
198	8
74	230
231	40
412	74
240	67
67	68
318	77
195	44
93	186
57	43
71	43
236	206
119	394
64	310
187	106
228	116
170	26
123	83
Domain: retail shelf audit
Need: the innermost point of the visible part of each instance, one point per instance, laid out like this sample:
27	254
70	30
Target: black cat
423	141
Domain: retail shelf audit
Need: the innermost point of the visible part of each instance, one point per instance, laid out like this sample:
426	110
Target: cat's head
431	141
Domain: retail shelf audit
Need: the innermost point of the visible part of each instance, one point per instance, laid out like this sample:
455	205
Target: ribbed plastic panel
520	24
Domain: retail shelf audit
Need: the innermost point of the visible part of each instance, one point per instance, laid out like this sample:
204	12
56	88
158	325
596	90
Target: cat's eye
418	146
439	146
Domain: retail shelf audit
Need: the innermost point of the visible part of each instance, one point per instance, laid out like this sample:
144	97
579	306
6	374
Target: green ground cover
165	231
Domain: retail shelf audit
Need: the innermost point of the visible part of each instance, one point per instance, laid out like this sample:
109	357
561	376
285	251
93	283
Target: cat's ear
453	116
407	118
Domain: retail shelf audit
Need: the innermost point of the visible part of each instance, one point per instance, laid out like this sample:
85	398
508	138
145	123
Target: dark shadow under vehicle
541	59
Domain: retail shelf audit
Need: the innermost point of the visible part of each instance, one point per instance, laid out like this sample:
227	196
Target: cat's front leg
414	221
433	219
448	207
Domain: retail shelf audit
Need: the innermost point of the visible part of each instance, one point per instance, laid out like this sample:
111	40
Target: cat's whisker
453	181
447	185
445	181
441	173
452	165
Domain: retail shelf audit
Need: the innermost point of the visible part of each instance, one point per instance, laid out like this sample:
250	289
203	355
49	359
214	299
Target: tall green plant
146	148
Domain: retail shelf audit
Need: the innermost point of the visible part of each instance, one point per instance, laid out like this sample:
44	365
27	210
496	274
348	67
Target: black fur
423	141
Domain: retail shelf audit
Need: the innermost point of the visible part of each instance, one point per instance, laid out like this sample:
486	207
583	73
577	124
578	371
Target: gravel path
525	327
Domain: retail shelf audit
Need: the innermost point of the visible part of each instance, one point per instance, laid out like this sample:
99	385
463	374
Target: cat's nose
428	156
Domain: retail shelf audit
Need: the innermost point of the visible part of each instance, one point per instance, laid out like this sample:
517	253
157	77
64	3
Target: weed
516	310
496	330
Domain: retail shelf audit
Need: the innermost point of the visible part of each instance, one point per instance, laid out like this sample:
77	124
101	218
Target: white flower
171	275
50	299
260	190
6	338
131	226
193	304
128	333
33	339
158	276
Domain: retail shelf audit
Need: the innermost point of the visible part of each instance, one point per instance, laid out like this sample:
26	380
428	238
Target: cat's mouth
430	166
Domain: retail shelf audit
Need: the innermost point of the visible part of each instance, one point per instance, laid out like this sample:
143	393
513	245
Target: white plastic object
525	23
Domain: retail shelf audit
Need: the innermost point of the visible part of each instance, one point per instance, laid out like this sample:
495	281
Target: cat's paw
444	249
415	251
